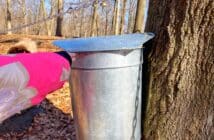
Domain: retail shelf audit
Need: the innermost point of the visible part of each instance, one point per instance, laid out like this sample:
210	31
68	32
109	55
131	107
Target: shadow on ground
41	122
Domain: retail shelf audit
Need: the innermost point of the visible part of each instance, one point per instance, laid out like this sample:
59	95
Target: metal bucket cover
104	43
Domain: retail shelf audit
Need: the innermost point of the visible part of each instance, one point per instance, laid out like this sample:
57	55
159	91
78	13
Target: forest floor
55	121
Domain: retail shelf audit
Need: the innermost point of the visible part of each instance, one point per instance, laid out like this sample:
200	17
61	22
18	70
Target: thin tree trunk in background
76	29
114	17
123	15
72	24
31	18
24	11
37	18
139	20
117	17
82	23
106	22
99	30
50	22
179	71
130	23
8	18
88	30
131	17
40	16
59	18
44	15
94	18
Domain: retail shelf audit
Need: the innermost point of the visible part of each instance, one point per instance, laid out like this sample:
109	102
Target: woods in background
106	18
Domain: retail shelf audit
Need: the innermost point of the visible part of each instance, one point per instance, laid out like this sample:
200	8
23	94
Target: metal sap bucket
106	86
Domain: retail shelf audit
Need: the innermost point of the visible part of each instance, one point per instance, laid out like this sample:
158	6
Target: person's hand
73	56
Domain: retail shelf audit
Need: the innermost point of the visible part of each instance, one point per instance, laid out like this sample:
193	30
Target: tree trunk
99	29
8	21
59	19
82	21
130	22
106	22
50	23
131	15
123	15
24	11
179	71
94	18
139	20
113	17
40	16
44	15
117	17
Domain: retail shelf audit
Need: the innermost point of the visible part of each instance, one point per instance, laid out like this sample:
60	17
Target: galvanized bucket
106	86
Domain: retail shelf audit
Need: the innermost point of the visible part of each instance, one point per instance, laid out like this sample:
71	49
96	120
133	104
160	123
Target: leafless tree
139	20
116	25
60	18
8	18
132	11
94	18
122	23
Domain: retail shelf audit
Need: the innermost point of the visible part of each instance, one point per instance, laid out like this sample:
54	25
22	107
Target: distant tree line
106	18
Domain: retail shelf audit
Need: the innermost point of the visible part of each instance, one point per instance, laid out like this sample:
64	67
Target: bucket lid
104	43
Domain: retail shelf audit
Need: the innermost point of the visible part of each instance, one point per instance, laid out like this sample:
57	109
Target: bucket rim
104	43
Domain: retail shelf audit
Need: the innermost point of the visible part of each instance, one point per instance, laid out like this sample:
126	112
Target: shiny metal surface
104	90
104	43
104	60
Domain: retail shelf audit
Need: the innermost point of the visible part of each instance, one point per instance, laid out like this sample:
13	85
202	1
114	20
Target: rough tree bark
60	18
180	70
139	20
8	17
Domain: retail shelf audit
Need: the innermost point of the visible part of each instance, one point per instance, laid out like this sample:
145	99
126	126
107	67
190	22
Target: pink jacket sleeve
38	73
